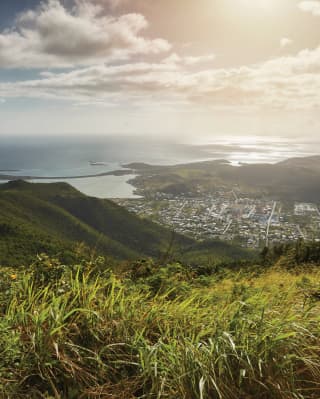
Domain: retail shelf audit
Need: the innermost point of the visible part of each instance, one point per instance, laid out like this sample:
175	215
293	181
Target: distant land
294	178
252	205
4	177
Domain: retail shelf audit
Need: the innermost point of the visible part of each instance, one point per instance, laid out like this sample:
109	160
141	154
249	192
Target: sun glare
259	4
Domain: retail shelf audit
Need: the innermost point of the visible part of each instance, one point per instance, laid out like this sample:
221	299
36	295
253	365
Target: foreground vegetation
159	332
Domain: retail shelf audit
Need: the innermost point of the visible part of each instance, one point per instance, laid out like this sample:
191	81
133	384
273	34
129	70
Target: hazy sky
187	68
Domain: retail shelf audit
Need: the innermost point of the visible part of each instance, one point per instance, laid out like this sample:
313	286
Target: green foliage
55	218
291	255
210	254
157	332
172	279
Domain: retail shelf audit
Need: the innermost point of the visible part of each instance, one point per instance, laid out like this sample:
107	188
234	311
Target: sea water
71	156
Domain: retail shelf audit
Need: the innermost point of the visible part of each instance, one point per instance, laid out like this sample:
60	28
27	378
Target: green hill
54	218
294	179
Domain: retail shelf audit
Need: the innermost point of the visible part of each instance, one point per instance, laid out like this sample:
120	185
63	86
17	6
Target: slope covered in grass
158	332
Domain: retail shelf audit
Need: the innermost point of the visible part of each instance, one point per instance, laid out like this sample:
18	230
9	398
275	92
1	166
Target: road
180	209
269	222
228	227
210	211
235	195
252	211
301	232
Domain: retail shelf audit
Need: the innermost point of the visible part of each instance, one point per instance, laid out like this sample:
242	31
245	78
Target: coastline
119	172
142	179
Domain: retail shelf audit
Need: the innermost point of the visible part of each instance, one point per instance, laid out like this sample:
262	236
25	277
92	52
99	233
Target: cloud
291	82
310	6
174	58
54	36
200	59
2	101
285	42
112	3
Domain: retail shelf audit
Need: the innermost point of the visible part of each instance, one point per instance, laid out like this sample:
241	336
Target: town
231	216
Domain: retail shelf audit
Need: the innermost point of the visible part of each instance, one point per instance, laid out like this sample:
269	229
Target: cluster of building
232	216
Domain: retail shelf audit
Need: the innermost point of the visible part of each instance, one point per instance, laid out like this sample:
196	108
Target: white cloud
291	82
2	101
53	36
174	58
200	59
285	42
311	6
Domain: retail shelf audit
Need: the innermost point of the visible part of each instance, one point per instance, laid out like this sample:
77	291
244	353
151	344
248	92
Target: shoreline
140	168
120	172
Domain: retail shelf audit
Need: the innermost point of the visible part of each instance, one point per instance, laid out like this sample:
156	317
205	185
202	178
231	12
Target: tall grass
85	335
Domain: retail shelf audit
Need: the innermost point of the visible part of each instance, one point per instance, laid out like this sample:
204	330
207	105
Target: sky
191	69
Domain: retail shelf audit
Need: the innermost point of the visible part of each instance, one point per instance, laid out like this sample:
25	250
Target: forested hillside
58	220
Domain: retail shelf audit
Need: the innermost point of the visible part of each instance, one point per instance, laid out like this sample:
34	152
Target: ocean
73	156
